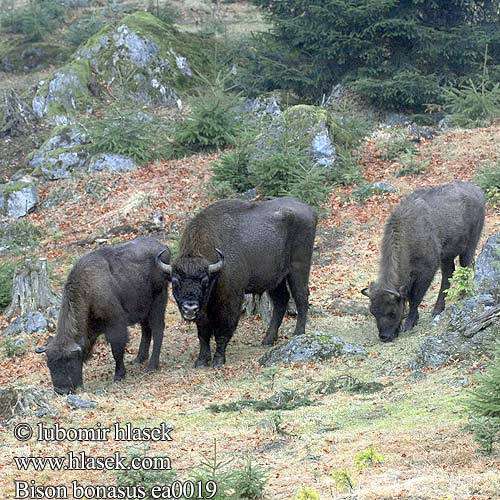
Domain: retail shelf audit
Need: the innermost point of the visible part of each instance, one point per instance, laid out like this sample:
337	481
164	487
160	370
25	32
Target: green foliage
82	29
395	54
19	234
212	124
397	146
484	407
368	456
11	349
35	20
461	284
411	164
306	494
232	168
131	134
250	481
143	477
165	11
487	178
366	190
6	275
343	480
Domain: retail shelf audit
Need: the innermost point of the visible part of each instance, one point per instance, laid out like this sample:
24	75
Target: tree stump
18	116
262	306
31	290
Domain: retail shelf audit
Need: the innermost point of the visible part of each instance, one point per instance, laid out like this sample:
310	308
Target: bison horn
365	292
41	348
165	267
392	292
213	268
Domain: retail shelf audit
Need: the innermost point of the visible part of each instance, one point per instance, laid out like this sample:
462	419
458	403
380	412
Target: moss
10	188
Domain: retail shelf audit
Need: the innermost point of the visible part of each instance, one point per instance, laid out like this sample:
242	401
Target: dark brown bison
107	290
428	229
235	247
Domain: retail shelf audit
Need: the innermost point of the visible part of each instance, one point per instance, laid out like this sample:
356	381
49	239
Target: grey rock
397	120
323	150
487	271
23	401
18	198
77	403
32	322
316	346
61	154
110	162
263	105
383	186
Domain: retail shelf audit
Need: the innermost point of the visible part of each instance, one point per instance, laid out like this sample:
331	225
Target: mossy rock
16	54
145	59
61	154
306	127
18	198
316	346
66	94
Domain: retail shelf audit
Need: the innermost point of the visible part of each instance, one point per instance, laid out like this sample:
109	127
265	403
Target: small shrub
309	184
487	178
306	494
473	104
398	146
343	480
213	123
368	456
12	348
346	170
82	29
232	168
20	234
250	481
7	270
143	477
35	20
461	284
411	165
130	134
165	11
484	407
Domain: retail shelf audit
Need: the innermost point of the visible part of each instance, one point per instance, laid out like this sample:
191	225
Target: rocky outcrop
18	198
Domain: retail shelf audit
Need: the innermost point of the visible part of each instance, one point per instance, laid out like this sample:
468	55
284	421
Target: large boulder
316	346
63	153
110	162
18	198
304	126
473	323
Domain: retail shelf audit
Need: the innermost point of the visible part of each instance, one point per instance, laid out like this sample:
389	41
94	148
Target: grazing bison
426	230
235	247
107	290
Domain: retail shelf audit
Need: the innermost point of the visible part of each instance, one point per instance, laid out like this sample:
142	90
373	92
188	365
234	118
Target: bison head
65	363
192	281
387	305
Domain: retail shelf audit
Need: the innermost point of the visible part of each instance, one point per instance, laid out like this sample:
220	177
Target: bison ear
403	291
366	292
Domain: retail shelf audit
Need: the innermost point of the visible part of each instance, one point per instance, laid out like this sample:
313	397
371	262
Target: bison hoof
218	362
151	368
117	378
201	363
267	341
140	359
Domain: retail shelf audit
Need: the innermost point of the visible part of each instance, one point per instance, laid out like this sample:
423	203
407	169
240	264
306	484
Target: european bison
427	229
235	247
107	290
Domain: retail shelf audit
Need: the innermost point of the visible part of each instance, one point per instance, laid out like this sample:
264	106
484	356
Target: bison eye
175	281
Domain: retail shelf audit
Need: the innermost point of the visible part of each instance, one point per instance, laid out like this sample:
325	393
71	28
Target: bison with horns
235	247
107	290
428	229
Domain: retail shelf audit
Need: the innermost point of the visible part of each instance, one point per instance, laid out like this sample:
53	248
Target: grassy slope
416	423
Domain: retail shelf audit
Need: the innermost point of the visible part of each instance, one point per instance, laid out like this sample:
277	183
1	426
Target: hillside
416	421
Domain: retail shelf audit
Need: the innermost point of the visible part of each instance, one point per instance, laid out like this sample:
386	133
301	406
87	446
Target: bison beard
106	291
426	230
235	247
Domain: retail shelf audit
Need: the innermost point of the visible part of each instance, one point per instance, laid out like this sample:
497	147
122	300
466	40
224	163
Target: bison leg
205	355
226	320
298	281
156	322
415	296
221	342
143	353
447	269
118	339
279	297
